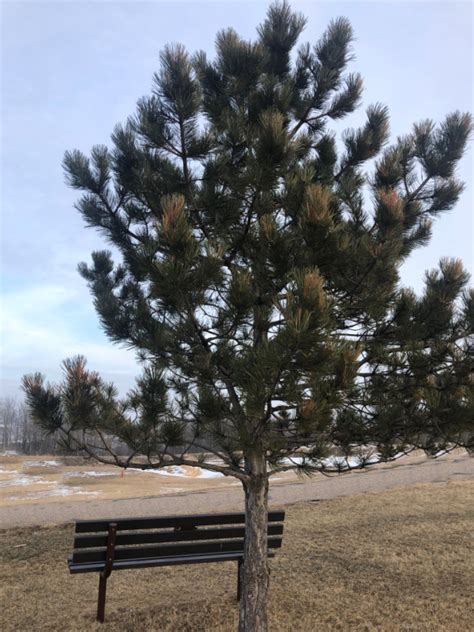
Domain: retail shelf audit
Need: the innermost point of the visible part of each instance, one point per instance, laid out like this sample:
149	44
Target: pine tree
258	277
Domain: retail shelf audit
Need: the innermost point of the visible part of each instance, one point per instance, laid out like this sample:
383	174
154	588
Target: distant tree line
19	433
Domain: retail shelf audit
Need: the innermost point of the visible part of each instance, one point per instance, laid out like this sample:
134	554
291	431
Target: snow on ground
10	478
335	461
342	461
57	490
209	474
57	482
41	463
23	480
179	471
92	473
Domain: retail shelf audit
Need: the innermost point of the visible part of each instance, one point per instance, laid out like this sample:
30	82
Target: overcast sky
72	70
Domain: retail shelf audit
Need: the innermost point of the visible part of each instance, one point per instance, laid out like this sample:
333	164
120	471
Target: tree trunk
255	571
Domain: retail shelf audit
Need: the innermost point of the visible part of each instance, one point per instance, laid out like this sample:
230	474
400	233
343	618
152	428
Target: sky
71	70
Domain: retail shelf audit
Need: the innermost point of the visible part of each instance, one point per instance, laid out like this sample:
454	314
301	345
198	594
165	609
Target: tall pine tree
257	277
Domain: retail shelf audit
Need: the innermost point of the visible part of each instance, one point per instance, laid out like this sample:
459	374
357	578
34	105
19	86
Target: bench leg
239	580
101	601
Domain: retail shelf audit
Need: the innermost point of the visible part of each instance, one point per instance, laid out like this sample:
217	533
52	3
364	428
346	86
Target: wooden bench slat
155	537
94	567
92	526
98	555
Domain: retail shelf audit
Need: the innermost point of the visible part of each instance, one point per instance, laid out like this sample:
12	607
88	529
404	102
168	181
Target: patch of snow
334	461
342	461
59	491
375	458
24	480
208	474
294	460
172	470
90	473
399	455
179	471
41	463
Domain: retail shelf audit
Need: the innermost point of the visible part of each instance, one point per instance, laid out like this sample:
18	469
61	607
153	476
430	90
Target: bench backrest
140	538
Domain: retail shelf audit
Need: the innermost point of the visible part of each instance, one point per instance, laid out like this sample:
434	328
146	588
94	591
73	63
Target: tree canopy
258	273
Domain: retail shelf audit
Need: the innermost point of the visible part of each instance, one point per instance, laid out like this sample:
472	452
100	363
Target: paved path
412	471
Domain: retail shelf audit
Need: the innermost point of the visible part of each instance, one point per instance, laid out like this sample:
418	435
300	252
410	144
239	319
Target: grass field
399	560
31	480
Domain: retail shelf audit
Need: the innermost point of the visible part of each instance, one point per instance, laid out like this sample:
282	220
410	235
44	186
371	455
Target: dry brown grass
399	560
41	470
70	472
84	481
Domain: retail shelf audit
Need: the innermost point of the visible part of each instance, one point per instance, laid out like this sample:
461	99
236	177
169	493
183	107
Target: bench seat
159	561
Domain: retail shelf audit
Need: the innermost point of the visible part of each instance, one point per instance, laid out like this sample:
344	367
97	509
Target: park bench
112	545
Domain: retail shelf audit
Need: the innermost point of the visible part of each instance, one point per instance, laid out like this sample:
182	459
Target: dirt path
415	470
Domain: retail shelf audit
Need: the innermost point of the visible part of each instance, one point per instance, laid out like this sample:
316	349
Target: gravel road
411	471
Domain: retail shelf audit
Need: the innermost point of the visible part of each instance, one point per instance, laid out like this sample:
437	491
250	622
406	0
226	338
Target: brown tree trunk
255	571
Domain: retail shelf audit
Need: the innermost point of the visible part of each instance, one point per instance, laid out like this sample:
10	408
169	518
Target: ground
52	479
397	560
50	490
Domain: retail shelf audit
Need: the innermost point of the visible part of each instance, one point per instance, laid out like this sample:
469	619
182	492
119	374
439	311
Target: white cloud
44	324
